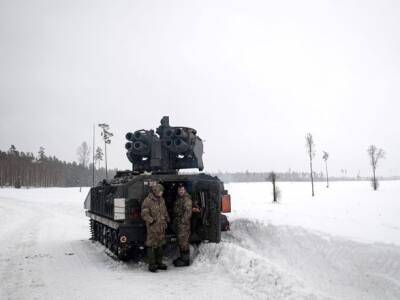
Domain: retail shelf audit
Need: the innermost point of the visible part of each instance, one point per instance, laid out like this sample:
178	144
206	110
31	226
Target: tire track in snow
19	275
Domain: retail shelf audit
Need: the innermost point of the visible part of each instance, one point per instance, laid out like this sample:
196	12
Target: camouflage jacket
154	213
183	210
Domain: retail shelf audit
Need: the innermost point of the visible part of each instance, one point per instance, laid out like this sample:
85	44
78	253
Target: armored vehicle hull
114	209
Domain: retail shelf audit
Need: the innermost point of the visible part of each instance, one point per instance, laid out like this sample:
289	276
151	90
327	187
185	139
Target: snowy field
342	244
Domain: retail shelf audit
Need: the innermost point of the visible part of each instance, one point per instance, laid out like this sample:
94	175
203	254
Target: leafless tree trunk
375	155
325	157
311	153
275	190
106	134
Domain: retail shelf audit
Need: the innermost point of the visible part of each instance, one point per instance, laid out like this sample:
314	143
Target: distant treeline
19	168
25	169
283	176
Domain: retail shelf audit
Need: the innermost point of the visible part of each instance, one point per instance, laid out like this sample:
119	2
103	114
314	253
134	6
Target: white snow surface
344	243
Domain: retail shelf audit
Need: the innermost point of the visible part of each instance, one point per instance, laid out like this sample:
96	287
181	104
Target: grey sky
253	77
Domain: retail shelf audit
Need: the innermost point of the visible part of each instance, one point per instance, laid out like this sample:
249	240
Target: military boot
175	261
159	257
183	260
151	259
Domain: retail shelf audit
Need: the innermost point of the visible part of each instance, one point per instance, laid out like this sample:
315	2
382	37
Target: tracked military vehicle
114	206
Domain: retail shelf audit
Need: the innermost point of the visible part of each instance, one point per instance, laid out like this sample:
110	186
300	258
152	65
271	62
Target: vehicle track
17	272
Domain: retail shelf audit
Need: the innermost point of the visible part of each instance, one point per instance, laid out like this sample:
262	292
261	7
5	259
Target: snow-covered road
45	252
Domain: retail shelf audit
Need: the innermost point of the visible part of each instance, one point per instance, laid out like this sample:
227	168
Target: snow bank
328	266
252	272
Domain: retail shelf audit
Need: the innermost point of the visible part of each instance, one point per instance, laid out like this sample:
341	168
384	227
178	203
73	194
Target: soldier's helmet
181	185
157	188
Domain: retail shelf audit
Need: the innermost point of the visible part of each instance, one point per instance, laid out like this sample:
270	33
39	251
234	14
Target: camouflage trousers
156	234
183	235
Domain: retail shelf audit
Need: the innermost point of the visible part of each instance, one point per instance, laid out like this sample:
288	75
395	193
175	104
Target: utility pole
94	131
105	155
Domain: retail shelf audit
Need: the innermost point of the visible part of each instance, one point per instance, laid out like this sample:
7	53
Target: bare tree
106	134
276	193
375	155
83	153
325	158
311	153
98	156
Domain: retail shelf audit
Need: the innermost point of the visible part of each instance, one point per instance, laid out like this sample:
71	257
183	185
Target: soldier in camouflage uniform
155	215
182	217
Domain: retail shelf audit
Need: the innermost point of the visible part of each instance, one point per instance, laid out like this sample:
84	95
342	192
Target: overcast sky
253	77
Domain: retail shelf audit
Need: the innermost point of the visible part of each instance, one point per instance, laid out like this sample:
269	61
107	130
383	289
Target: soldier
155	215
182	216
